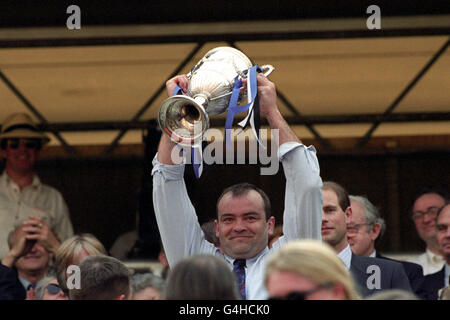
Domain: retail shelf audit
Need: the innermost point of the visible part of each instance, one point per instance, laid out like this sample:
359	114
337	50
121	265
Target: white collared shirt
346	256
430	262
36	199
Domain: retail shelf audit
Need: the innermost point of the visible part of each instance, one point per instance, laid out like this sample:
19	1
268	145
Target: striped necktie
31	285
239	270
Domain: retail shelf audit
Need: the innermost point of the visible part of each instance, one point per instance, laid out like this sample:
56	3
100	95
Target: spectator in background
364	227
308	270
370	274
72	252
210	233
201	277
28	256
10	286
277	233
23	198
102	278
424	210
146	286
435	281
49	289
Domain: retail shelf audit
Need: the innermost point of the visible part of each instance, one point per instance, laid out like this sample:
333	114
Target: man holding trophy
243	223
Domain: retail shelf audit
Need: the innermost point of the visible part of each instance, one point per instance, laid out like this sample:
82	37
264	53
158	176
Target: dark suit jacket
10	286
373	275
433	282
414	272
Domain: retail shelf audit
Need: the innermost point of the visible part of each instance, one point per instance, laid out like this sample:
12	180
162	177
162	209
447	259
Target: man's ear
270	225
216	226
348	214
375	232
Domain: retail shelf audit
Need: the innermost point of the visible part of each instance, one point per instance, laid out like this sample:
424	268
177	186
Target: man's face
334	221
443	232
424	215
241	225
361	237
37	259
20	155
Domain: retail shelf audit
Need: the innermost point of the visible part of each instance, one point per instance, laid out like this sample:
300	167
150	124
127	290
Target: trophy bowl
185	118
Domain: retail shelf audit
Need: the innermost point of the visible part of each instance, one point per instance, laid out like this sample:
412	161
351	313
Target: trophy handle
267	69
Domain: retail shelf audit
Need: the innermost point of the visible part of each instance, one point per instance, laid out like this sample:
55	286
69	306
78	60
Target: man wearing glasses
24	200
371	275
364	227
441	279
424	211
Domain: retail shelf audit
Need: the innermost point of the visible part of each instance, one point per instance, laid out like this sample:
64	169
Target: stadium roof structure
342	86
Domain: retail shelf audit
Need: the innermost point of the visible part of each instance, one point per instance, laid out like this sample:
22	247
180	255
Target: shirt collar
248	262
434	258
36	183
346	256
24	282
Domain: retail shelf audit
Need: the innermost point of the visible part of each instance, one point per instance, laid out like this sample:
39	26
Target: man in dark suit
365	227
371	275
435	281
10	287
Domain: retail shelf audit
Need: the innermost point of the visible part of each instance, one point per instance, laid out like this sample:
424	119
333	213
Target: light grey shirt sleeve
178	224
302	217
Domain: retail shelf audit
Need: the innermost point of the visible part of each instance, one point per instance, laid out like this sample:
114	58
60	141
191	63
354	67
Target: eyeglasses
354	228
431	212
29	143
53	288
302	295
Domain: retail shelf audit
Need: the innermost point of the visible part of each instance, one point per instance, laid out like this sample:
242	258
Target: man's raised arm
178	225
303	198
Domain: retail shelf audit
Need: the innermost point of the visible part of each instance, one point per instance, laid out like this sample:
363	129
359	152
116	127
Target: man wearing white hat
24	200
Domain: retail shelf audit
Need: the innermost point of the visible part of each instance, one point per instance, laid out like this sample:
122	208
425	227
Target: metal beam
405	91
221	37
149	103
291	108
33	110
219	122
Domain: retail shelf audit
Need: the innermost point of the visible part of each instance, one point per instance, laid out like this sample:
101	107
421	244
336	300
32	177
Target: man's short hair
241	189
141	281
102	278
342	194
371	213
426	190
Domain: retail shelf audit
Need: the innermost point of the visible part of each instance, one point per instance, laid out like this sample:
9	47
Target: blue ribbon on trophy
252	106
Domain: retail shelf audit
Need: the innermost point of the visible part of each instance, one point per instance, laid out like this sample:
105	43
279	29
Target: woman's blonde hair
70	248
314	260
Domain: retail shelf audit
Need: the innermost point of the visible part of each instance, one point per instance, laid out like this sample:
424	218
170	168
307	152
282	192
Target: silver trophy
185	118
